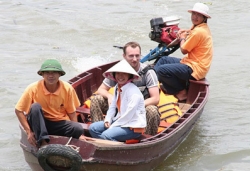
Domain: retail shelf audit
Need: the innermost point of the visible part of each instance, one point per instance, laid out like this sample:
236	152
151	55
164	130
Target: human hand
106	125
182	33
85	138
31	138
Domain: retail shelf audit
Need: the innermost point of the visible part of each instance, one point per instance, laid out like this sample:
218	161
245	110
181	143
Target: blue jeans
98	130
172	74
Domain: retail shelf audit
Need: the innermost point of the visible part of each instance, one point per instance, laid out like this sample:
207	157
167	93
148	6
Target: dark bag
144	89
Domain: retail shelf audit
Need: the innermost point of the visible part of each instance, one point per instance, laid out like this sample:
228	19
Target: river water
81	35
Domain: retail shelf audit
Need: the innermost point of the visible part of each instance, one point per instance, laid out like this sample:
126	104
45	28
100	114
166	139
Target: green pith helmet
51	65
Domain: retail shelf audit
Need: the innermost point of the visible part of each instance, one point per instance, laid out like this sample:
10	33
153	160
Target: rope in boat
72	146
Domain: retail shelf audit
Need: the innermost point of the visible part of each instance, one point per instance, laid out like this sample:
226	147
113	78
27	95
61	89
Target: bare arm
183	51
22	119
72	116
154	96
182	34
103	90
106	124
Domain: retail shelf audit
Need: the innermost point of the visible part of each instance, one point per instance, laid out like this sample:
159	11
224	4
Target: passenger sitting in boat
48	107
126	116
197	46
100	103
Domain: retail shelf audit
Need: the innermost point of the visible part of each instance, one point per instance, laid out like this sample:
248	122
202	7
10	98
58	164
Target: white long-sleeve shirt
132	110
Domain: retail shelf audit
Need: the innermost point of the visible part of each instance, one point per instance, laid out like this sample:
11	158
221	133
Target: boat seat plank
103	143
83	110
83	113
184	107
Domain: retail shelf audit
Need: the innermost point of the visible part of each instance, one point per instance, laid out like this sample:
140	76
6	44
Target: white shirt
133	113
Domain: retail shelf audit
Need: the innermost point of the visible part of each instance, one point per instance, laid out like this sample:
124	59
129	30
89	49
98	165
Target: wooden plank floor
184	107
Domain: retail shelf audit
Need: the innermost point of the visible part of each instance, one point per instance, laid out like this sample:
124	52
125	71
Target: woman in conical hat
124	67
126	116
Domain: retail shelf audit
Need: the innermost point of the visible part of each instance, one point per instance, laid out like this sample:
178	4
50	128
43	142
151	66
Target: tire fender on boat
50	150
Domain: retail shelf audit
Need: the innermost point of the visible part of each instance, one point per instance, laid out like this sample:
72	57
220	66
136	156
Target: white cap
122	66
200	8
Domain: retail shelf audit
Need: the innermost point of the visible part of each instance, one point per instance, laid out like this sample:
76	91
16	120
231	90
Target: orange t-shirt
199	45
56	106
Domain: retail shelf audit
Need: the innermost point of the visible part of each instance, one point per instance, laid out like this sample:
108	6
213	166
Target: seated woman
126	116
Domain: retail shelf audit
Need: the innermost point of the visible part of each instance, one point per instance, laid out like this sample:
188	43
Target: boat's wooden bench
104	143
83	113
83	110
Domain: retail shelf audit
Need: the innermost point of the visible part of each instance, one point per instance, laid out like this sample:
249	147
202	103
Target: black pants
42	127
172	74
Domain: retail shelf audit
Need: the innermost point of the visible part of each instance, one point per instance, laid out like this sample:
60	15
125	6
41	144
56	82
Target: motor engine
164	30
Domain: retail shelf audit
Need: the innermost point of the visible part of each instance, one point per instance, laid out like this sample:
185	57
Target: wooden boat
72	154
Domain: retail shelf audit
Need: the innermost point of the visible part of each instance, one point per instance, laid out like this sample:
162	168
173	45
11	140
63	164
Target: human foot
84	138
43	143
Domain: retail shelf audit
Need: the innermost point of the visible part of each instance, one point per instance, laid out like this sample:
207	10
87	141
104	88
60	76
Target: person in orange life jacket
126	116
197	46
48	107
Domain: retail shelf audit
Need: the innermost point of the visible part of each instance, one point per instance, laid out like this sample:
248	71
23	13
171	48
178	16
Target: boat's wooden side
105	155
88	82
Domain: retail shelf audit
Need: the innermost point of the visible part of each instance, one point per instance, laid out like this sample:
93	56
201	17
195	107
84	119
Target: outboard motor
164	30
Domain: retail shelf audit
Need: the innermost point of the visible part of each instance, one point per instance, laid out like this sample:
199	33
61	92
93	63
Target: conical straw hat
122	66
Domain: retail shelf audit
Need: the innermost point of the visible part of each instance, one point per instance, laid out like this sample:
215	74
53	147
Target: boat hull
121	157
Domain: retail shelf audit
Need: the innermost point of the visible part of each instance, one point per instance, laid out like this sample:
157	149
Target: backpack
144	89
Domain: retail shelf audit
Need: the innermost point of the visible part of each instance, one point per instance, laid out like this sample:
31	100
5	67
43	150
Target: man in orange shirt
197	46
47	107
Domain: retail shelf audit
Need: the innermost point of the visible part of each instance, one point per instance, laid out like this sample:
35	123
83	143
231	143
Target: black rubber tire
58	150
